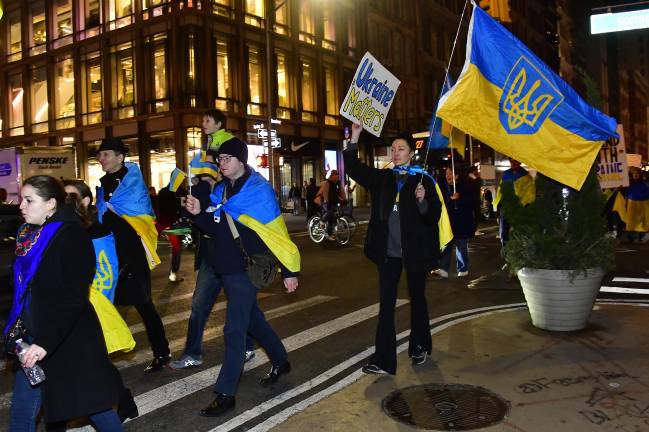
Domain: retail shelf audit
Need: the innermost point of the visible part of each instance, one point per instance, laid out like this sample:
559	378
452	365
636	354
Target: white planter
556	303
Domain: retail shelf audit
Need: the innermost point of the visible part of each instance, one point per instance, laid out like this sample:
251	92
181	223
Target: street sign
263	133
275	143
621	21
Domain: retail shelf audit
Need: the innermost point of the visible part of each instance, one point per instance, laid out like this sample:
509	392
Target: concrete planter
556	303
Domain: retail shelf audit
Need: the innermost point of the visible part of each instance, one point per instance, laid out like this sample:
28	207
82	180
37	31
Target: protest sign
612	167
370	95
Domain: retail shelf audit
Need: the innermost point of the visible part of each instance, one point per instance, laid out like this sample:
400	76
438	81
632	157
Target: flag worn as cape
107	266
441	134
131	202
524	187
177	178
509	99
199	165
635	213
444	223
255	207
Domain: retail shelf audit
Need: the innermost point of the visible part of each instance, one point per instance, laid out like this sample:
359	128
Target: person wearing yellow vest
214	129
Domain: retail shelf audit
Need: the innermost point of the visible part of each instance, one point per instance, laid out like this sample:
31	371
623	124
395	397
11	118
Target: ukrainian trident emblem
528	99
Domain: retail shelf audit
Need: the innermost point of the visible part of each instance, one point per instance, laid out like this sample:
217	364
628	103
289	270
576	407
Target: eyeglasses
222	159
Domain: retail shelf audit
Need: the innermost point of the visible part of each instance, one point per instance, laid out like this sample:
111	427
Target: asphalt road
325	324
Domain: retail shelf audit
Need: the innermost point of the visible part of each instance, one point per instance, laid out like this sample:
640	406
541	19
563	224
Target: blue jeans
208	287
25	404
243	315
107	421
461	255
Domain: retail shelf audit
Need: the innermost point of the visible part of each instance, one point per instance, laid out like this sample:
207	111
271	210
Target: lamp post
271	8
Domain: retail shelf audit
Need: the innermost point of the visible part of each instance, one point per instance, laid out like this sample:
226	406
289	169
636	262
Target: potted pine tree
559	250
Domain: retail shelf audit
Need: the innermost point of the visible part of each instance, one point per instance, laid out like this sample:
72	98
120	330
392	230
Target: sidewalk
593	380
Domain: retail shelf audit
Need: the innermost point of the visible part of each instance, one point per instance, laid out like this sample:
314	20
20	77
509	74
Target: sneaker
173	277
419	355
440	272
373	369
186	361
249	356
478	233
274	374
221	404
462	273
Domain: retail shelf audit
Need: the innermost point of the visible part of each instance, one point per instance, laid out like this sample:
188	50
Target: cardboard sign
612	167
370	95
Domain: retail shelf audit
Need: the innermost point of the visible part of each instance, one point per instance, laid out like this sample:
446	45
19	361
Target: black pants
385	354
155	331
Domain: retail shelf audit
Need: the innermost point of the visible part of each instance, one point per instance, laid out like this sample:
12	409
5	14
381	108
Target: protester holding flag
245	220
402	234
53	270
124	208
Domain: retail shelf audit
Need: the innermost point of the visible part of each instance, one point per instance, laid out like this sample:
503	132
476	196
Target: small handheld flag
199	166
177	178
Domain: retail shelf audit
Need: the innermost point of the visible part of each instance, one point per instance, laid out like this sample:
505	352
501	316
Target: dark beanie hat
234	147
114	144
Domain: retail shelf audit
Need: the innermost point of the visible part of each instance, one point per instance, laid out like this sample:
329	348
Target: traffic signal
262	161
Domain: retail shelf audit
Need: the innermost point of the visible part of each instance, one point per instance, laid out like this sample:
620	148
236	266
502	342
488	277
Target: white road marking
628	279
622	290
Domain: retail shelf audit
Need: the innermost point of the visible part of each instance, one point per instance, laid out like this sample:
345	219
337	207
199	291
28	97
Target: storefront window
223	8
16	113
120	13
124	84
92	102
14	37
255	87
308	92
255	12
63	22
160	77
307	22
280	24
223	90
283	96
191	66
331	96
39	101
154	8
329	40
64	94
286	180
162	158
38	30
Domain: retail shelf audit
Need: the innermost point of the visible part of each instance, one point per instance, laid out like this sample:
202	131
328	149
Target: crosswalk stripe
622	290
629	279
211	333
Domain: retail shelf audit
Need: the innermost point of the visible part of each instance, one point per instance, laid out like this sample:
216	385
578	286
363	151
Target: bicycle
344	227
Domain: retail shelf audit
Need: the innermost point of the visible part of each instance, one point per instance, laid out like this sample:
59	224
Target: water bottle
35	374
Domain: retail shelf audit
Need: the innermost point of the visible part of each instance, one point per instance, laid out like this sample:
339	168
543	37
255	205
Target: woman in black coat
402	234
64	333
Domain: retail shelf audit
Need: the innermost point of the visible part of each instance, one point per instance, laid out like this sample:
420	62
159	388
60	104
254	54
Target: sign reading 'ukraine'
509	99
370	95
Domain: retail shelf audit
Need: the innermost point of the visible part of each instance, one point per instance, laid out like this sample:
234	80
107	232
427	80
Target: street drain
445	407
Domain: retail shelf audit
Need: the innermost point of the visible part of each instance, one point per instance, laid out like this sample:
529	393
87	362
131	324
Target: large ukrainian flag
509	99
131	202
441	134
255	206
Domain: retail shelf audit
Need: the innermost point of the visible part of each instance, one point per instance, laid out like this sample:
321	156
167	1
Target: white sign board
612	167
370	95
9	173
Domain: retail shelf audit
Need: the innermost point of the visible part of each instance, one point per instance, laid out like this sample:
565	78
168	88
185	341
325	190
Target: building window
92	102
351	35
307	22
223	8
64	93
331	96
308	91
191	70
40	105
281	24
162	158
154	8
283	87
160	88
255	87
93	17
255	12
124	81
38	29
14	37
16	113
329	26
120	13
63	23
223	83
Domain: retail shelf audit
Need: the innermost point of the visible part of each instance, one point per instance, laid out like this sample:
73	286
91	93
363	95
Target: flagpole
430	137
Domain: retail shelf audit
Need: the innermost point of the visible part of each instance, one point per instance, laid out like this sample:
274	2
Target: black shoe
275	372
373	369
221	404
419	355
158	363
126	409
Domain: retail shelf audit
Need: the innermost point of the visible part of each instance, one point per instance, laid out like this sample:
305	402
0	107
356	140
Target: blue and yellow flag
441	134
509	99
199	166
105	280
524	187
255	206
177	178
131	202
634	210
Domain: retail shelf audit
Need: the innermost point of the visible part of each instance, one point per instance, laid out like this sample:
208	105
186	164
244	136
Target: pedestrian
332	195
402	234
53	271
167	214
124	208
208	285
244	195
459	200
303	203
214	122
3	195
474	185
311	193
294	196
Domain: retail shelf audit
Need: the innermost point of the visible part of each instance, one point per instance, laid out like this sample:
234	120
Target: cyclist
332	196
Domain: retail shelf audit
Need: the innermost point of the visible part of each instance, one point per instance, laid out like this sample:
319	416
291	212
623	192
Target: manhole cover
445	407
